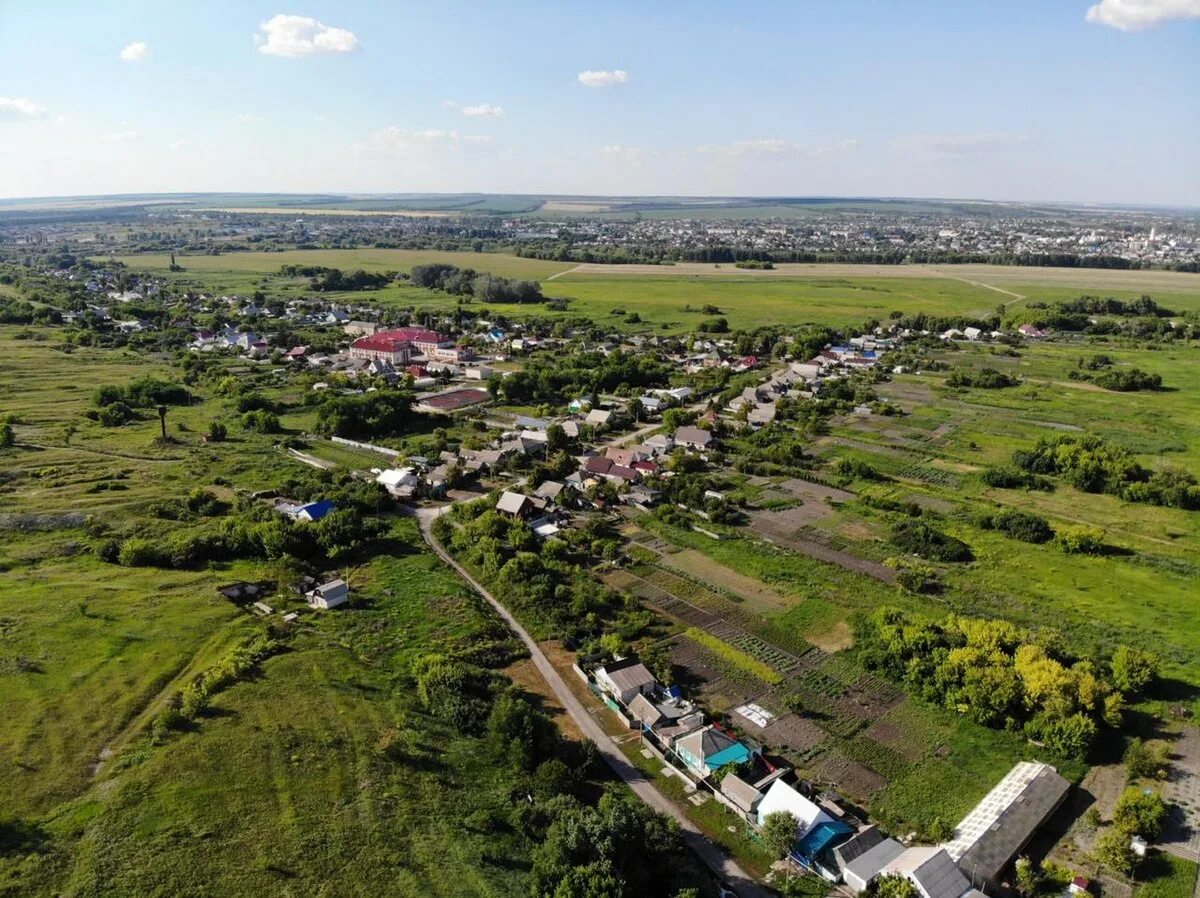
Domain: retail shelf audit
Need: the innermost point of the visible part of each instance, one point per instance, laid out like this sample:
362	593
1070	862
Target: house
361	328
1029	330
314	511
818	832
550	490
858	872
931	870
515	505
693	438
856	846
329	595
741	794
599	417
625	679
660	443
709	749
996	830
400	482
598	466
544	528
972	333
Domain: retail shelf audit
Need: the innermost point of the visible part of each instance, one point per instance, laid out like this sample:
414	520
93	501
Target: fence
382	450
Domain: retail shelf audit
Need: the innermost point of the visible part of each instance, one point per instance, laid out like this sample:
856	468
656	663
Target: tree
1133	669
7	437
217	432
595	880
1141	812
1146	760
894	885
1113	850
779	831
1029	876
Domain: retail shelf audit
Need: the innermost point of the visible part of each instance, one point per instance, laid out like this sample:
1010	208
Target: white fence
382	450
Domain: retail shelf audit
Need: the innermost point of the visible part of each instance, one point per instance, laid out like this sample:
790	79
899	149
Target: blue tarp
819	838
735	754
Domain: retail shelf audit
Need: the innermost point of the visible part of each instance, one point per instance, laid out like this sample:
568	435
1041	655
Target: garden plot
793	734
784	527
854	779
719	684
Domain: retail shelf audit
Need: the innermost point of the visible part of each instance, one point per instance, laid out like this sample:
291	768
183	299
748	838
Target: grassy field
287	784
669	299
238	266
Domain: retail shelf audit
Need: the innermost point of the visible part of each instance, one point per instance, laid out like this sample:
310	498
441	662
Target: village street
724	867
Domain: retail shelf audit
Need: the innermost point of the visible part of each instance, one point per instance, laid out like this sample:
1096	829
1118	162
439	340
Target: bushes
856	468
377	414
983	379
191	701
1128	380
1014	478
916	537
261	421
1029	528
1081	539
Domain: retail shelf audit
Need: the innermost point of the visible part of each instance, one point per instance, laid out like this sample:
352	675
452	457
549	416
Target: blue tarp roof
735	754
819	838
317	510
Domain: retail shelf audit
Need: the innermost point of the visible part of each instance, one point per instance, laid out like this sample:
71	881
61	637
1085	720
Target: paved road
725	868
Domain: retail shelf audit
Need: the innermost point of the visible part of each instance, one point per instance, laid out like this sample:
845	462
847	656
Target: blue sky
1059	100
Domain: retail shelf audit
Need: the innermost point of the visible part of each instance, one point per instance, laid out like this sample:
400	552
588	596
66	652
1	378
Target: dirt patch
855	530
957	467
854	779
816	492
840	637
698	565
780	528
790	733
525	675
894	737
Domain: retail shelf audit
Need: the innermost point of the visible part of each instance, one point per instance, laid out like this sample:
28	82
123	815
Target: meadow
671	299
313	775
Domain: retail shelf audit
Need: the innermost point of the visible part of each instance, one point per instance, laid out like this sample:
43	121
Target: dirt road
716	860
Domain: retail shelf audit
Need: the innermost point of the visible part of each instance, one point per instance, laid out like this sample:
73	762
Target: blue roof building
314	511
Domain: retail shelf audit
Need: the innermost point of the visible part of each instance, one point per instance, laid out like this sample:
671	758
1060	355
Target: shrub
916	537
1081	540
261	421
1029	528
138	552
217	432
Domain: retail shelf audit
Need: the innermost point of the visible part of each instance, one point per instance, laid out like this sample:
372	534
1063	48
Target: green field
290	779
670	299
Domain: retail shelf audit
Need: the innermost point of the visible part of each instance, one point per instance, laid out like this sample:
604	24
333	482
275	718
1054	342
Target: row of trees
1003	675
589	373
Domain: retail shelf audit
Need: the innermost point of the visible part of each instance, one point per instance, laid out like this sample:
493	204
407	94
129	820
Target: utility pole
162	420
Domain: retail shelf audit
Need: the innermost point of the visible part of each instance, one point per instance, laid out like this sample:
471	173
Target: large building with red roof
385	346
398	345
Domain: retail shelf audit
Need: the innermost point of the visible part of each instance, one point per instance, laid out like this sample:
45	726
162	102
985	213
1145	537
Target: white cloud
483	110
245	118
775	146
182	144
959	144
135	52
118	136
449	104
21	106
1135	15
633	156
302	36
603	78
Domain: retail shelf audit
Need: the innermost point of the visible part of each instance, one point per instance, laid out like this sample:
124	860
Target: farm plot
783	527
718	683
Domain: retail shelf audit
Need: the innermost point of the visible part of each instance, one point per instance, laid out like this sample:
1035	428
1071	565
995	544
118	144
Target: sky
1034	100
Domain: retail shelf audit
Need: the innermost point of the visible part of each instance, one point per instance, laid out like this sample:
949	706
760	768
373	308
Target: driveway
1181	835
716	859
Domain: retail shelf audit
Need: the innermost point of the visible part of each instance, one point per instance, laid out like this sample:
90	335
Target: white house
329	595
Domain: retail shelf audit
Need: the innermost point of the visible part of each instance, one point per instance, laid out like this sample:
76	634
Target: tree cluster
1094	465
1000	675
479	286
